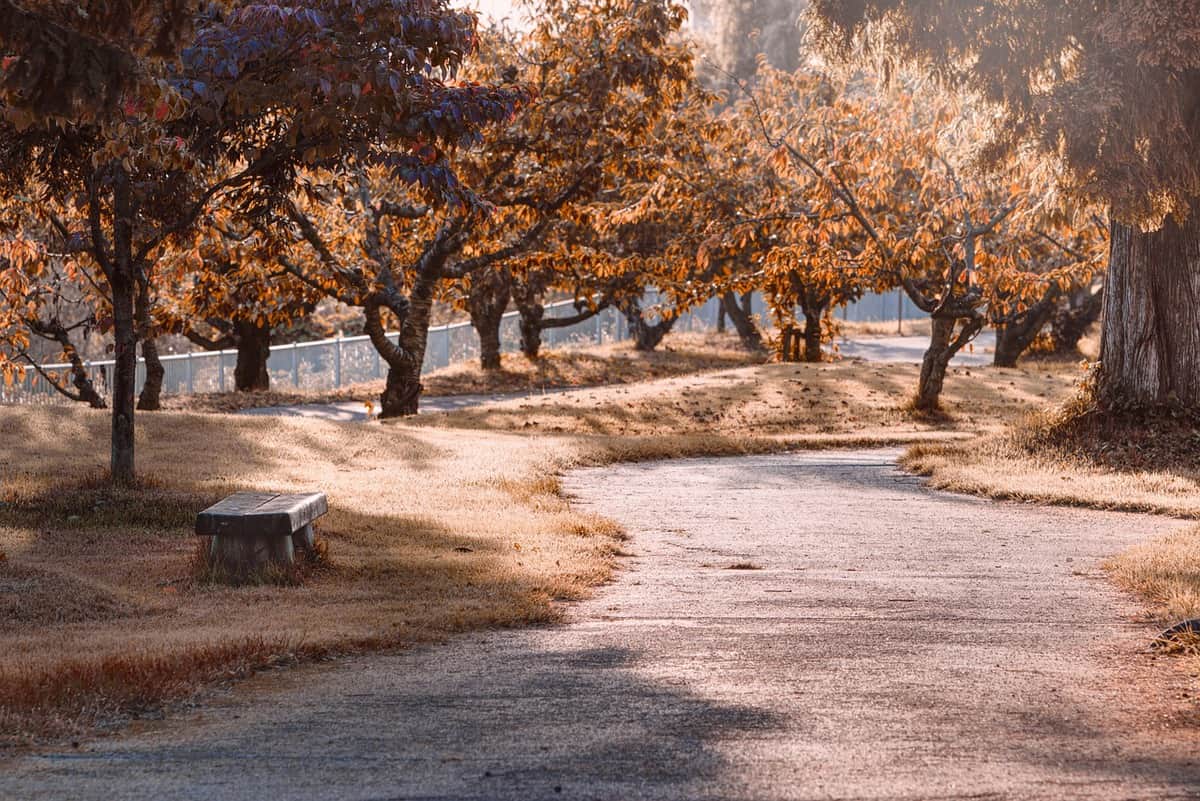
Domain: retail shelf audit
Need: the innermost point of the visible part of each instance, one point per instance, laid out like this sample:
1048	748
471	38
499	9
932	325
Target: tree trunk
122	283
531	328
1150	335
487	303
812	335
1014	337
402	391
253	349
150	399
743	322
720	318
124	379
646	336
943	345
1073	318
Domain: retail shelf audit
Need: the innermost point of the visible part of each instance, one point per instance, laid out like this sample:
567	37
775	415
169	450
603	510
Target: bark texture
1013	337
738	311
402	389
487	303
646	335
943	345
812	335
150	398
253	349
1150	342
122	283
1073	318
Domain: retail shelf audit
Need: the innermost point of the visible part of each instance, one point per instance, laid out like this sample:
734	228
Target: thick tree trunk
646	336
812	335
253	349
531	328
150	399
721	318
943	345
487	303
743	322
1150	341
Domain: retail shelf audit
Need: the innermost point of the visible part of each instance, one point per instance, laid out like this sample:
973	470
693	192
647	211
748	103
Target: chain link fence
335	363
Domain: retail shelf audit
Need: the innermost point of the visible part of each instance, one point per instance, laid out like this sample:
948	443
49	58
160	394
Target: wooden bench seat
251	529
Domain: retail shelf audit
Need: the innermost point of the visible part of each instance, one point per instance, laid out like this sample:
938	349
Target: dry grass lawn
779	400
448	523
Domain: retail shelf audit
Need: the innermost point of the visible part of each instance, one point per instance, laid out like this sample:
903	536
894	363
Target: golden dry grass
429	532
448	523
1166	572
778	400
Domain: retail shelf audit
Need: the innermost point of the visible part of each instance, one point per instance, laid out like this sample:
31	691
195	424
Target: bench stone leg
246	553
305	539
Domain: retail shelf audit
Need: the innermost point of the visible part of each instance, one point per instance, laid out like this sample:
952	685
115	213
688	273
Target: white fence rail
334	363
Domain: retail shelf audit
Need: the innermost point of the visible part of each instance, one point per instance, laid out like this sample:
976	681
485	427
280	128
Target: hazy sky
493	8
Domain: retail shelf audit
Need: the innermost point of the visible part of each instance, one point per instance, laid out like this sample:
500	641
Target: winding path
814	626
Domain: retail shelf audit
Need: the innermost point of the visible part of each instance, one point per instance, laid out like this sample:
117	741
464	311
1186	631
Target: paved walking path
890	642
912	349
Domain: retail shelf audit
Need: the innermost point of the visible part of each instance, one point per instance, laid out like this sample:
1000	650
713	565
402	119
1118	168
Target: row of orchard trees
229	167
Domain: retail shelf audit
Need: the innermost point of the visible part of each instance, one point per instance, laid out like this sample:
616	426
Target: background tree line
229	169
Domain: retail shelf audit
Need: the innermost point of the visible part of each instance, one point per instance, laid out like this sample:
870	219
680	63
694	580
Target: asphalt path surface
812	626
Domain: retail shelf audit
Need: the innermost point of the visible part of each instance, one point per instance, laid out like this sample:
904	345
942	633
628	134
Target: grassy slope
616	363
450	523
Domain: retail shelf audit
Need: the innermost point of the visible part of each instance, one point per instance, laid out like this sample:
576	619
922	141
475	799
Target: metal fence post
189	372
337	361
296	364
221	370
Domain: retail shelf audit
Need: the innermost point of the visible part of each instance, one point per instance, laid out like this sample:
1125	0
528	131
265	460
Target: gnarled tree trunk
1016	335
531	315
943	345
646	336
487	303
812	334
1072	319
253	350
402	389
743	321
1150	341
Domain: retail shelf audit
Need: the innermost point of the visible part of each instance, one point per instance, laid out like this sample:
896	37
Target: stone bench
252	529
